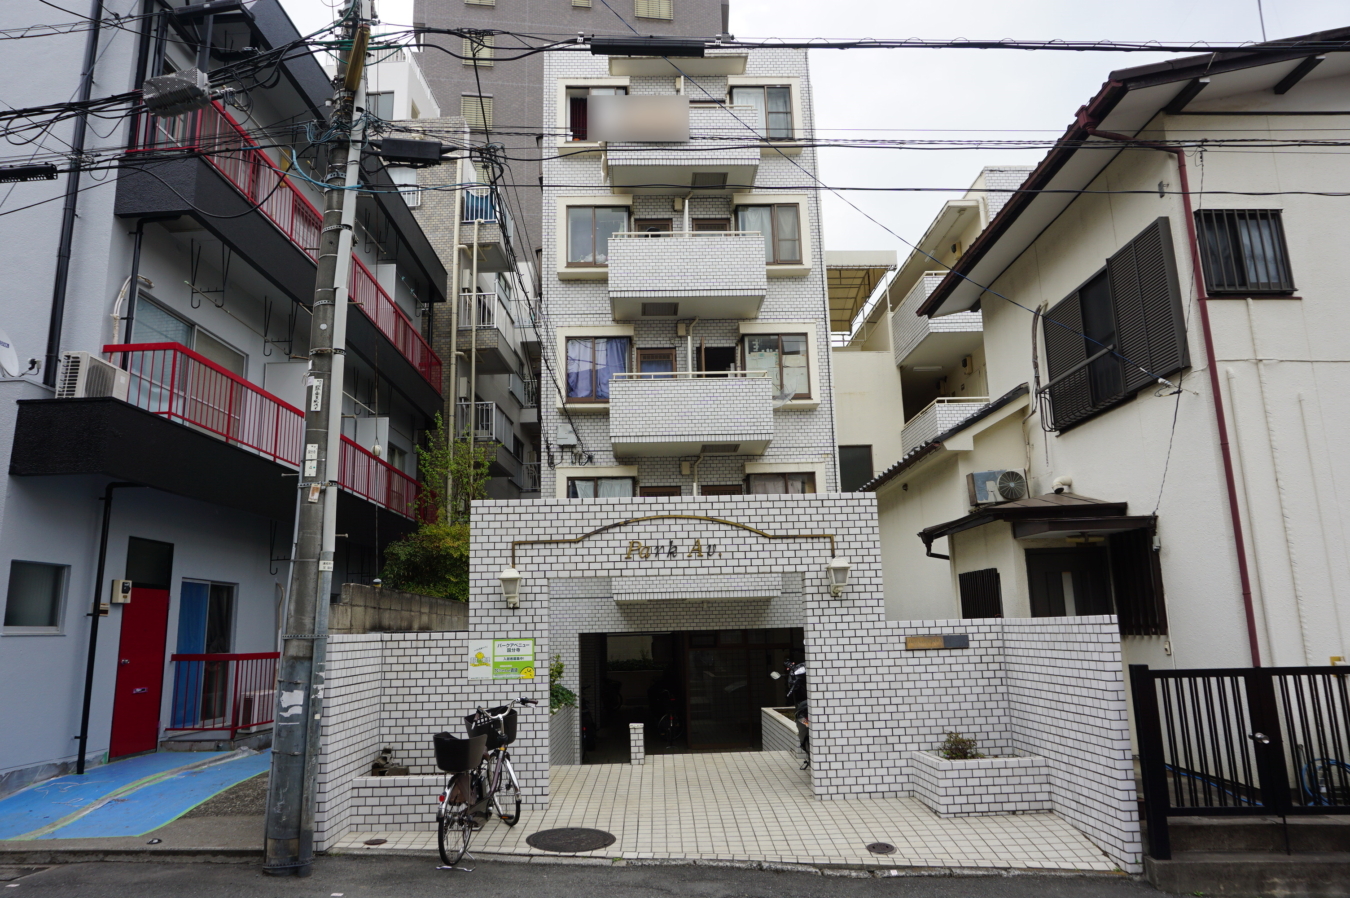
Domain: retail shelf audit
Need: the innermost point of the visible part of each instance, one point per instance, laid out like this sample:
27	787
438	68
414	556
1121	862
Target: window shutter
653	9
1146	297
478	52
981	593
1070	398
481	2
477	112
1136	575
585	3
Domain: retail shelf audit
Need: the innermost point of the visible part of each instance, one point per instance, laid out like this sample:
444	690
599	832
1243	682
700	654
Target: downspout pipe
62	280
1220	418
94	620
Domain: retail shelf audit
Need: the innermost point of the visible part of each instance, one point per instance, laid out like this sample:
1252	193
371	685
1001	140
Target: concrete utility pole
291	798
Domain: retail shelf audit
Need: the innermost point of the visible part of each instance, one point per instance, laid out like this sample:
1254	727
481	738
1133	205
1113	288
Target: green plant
432	560
559	696
454	473
959	748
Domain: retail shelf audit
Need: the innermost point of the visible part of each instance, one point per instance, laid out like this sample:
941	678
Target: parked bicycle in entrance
480	781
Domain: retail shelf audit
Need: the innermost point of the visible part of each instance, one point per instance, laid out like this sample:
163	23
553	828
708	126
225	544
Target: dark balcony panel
190	186
365	339
493	348
411	247
302	70
109	437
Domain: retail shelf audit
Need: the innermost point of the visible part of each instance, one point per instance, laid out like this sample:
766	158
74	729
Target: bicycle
479	776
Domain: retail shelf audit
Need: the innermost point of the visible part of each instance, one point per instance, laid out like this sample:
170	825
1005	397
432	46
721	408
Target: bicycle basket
498	733
454	754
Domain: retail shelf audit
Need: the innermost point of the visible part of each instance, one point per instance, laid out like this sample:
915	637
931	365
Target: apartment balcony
205	161
691	413
936	418
526	392
527	480
192	428
720	156
489	226
932	343
686	274
488	423
488	331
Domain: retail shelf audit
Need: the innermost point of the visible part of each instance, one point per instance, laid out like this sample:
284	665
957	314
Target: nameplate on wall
945	641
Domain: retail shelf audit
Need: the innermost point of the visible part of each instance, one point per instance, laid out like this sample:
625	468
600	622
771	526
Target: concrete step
1257	874
1319	834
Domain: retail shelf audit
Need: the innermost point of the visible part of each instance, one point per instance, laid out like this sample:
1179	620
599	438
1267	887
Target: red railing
223	692
377	305
171	380
230	150
376	480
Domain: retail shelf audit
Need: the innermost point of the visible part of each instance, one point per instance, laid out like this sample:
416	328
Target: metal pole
93	625
473	339
452	422
299	711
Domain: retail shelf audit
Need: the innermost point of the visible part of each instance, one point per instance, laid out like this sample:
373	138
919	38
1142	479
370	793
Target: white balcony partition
939	416
911	332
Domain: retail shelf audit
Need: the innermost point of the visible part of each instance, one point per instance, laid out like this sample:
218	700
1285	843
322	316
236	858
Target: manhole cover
373	842
881	848
570	840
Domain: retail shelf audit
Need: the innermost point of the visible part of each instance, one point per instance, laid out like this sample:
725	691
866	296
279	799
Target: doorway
139	686
1069	582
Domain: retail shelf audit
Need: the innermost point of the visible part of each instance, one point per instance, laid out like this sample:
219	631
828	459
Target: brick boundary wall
984	786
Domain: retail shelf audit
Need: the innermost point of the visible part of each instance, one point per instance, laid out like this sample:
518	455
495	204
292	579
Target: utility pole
291	798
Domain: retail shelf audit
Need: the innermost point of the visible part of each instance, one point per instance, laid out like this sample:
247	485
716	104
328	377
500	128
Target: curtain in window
580	234
786	233
756	218
798	484
796	380
612	487
581	489
580	368
761	354
767	484
611	357
1260	253
750	96
608	222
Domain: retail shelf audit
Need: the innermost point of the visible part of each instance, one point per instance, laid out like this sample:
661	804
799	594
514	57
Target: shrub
959	748
432	560
559	696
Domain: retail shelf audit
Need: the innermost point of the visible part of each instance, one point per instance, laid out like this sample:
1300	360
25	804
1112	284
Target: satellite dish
9	359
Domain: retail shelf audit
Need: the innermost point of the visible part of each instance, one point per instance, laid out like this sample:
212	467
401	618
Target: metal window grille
1244	251
653	9
476	111
478	50
981	593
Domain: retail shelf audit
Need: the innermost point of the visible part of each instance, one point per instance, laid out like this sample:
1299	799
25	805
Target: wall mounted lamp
837	570
510	579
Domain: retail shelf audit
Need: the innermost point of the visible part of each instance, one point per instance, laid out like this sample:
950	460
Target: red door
140	673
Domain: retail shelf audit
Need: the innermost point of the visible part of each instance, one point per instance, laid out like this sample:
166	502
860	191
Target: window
582	3
590	363
1243	251
599	487
478	50
712	224
981	593
656	361
1117	333
1122	577
381	104
155	324
36	594
480	2
398	458
588	231
651	225
578	105
855	467
476	111
1068	582
781	230
784	357
653	9
720	489
772	116
780	484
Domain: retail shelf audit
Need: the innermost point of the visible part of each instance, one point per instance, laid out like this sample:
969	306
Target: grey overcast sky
996	94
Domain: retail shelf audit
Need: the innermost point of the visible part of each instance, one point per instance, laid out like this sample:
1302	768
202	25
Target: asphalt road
401	877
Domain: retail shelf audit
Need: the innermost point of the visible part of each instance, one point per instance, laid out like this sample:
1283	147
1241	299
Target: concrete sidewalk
757	807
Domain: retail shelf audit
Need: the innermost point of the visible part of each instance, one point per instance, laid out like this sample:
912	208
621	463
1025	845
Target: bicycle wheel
454	830
505	791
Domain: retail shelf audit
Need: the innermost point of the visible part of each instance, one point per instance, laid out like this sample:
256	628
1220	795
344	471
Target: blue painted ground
152	806
132	813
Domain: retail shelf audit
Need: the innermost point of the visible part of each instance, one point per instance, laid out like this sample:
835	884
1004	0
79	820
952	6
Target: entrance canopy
1049	516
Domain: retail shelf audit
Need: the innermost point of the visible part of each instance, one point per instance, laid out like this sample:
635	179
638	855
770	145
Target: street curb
32	855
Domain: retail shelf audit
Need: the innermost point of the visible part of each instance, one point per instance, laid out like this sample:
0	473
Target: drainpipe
134	281
1220	420
93	627
455	294
473	335
62	280
689	346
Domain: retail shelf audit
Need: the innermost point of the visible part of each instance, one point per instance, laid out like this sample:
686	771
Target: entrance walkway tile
757	806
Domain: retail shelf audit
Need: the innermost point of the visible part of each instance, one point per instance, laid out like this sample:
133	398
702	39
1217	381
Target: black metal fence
1264	741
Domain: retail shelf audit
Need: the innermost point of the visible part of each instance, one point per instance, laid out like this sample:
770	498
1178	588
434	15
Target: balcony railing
528	481
229	149
489	424
938	417
686	413
480	205
492	311
686	274
525	391
377	305
908	330
223	691
172	381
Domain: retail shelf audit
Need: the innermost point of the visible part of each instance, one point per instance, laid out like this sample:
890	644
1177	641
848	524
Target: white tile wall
1011	785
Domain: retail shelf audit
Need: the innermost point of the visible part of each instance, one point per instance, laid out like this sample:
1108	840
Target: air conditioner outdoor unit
86	376
993	487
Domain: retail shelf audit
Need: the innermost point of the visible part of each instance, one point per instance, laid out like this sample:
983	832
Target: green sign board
501	659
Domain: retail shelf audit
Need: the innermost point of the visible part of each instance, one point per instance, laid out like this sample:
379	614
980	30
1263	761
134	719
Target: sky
924	94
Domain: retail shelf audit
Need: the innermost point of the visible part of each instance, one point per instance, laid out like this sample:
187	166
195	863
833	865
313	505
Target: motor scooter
796	692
